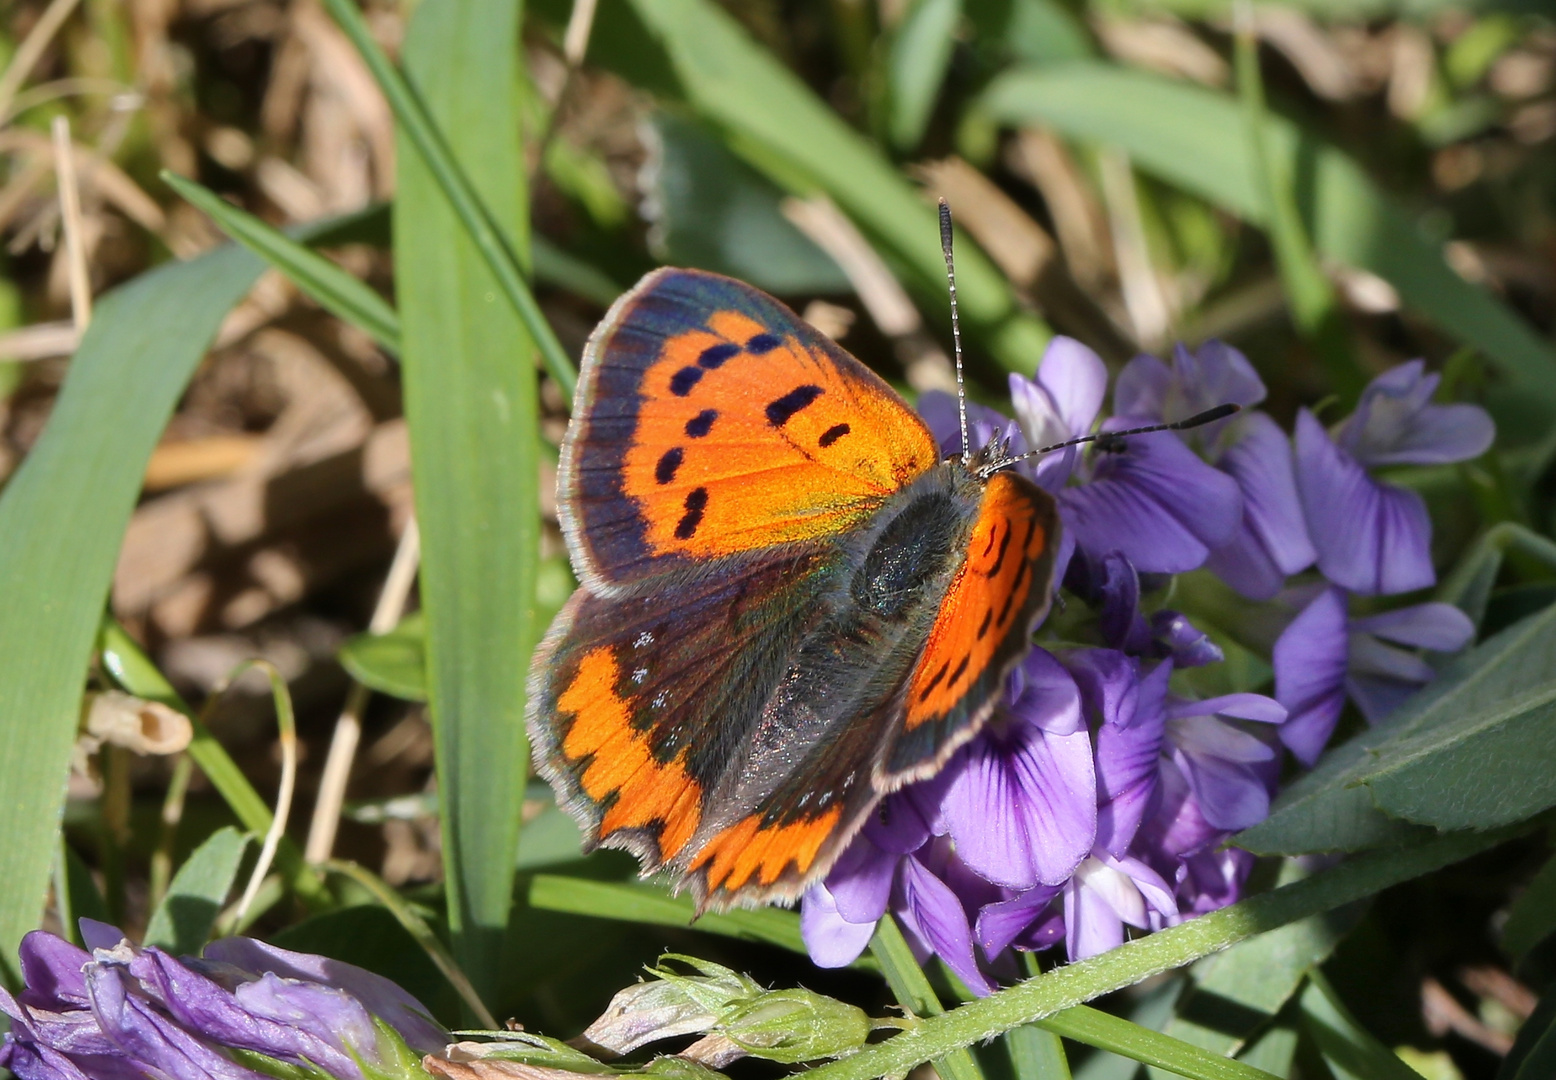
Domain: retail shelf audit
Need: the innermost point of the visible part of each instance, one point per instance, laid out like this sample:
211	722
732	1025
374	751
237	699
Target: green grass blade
1348	1048
1195	138
1036	1054
182	923
1108	1032
61	520
1309	296
913	992
916	67
471	404
773	120
484	227
335	290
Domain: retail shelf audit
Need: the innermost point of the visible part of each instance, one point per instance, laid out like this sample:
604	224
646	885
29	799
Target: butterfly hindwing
711	420
982	629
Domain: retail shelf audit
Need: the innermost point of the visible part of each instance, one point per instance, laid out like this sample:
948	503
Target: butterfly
790	604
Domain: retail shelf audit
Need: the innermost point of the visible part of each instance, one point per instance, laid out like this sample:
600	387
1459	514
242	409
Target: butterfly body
790	605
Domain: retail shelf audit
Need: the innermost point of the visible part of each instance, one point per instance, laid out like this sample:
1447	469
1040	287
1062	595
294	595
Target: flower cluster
243	1011
1100	795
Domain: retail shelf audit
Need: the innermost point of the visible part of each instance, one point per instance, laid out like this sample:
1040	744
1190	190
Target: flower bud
791	1026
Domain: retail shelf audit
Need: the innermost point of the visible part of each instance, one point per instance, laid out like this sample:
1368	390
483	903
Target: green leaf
471	405
1533	1056
1196	139
1472	750
394	663
916	68
1532	918
1117	1035
1351	1053
182	922
1037	1054
718	213
485	228
773	120
84	898
335	290
62	517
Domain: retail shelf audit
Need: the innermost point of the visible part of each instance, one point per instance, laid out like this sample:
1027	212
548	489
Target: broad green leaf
182	922
1472	750
1532	917
916	68
62	517
1533	1056
1349	1050
335	290
716	212
773	120
1235	993
1196	139
471	405
394	663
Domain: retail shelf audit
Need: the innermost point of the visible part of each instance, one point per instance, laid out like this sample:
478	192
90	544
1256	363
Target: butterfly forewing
712	420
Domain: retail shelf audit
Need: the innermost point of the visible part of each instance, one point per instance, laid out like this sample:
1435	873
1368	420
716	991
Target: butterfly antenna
1209	416
956	328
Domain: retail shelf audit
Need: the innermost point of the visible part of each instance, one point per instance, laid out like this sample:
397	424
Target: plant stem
1042	997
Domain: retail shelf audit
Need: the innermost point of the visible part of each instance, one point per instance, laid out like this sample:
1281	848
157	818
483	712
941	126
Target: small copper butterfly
790	604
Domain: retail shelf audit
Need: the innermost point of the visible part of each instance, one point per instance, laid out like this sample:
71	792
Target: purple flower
1112	586
1372	537
1271	540
1130	706
1060	404
1106	893
1230	769
1021	804
124	1011
1324	655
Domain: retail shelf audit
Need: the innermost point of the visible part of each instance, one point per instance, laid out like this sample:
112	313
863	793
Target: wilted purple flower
1373	537
1271	541
121	1011
1323	655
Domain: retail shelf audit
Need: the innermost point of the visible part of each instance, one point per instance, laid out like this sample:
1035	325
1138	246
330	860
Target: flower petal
1436	626
1396	424
1076	380
938	918
1001	923
1377	696
1023	808
1272	540
1371	538
1128	761
1254	707
831	940
1231	795
1142	388
859	884
51	972
1310	660
1157	503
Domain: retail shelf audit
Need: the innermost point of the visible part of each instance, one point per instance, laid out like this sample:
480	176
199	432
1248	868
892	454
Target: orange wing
711	420
983	627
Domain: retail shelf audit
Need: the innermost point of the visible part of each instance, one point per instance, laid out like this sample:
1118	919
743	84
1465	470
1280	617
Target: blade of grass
1309	295
335	290
1036	1054
1108	1032
1345	1044
471	402
1196	139
774	121
485	231
911	987
62	516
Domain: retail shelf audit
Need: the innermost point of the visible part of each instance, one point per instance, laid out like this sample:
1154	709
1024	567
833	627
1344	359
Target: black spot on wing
983	627
669	462
781	410
696	502
999	559
682	381
961	669
715	355
702	423
833	434
929	688
763	343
